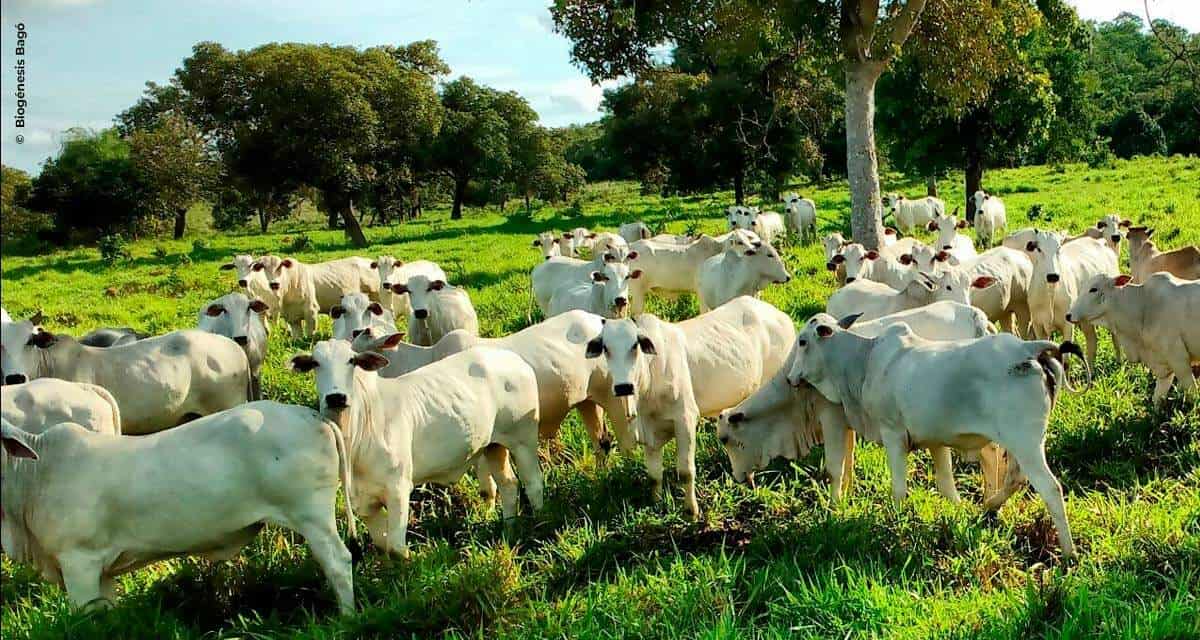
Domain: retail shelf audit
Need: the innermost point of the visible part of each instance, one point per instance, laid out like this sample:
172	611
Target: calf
555	273
37	405
1061	272
990	217
1145	259
802	215
768	225
437	309
778	421
550	245
158	382
1011	272
631	232
872	300
356	312
1155	323
428	426
1004	387
949	239
240	319
94	506
393	271
912	214
305	290
738	272
254	283
858	262
606	294
1111	229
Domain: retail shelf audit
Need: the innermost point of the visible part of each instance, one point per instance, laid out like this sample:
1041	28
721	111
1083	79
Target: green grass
604	559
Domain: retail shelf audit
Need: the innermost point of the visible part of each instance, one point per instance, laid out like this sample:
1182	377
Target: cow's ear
635	274
287	263
17	447
1122	280
848	321
537	243
43	340
838	259
214	310
374	264
647	345
598	277
941	256
872	255
1031	246
303	363
370	361
257	266
227	266
591	236
962	224
337	311
566	236
632	255
37	317
983	282
258	306
931	226
1125	223
906	259
595	347
986	195
824	330
437	285
375	308
888	231
392	341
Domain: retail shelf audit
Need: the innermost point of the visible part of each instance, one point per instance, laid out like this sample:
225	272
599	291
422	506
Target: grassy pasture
605	560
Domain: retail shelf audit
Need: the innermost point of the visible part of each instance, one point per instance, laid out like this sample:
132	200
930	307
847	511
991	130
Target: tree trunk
973	180
862	166
353	230
739	186
460	192
333	216
931	185
180	223
264	218
528	205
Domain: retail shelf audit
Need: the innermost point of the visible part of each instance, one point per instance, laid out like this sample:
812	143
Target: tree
539	169
174	166
91	185
16	220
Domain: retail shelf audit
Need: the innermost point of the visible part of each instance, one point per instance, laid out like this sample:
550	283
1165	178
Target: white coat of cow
1061	272
158	382
1004	389
912	214
305	290
857	262
672	268
871	300
37	405
991	218
356	313
949	239
738	271
1011	271
437	309
242	320
428	426
253	283
551	245
93	506
606	294
631	232
393	271
553	274
802	216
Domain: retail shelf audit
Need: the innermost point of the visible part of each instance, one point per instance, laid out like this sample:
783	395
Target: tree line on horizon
748	97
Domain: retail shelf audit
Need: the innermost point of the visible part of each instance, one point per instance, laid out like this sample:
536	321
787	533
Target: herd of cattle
121	450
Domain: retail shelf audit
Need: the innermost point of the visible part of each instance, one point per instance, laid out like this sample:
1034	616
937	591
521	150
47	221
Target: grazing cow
949	239
874	300
1004	389
37	405
990	217
1011	271
778	421
1145	259
437	309
1111	229
254	283
110	337
240	319
1061	272
802	214
911	215
555	273
158	382
427	427
668	375
606	294
93	506
672	268
1155	323
356	313
768	225
305	290
631	232
857	262
550	245
577	239
738	271
393	271
404	357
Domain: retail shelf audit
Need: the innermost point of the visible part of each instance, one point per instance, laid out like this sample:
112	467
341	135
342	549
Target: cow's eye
803	343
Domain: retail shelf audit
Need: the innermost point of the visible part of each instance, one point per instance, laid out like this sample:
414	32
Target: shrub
113	248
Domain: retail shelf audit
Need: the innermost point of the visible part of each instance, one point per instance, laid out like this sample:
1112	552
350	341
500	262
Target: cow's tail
112	402
344	471
1051	357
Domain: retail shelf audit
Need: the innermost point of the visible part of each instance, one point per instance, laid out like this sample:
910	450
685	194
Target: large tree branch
901	27
857	26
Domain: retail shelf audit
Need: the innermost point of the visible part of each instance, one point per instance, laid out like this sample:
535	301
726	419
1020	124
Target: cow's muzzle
850	279
274	286
1052	278
15	378
946	247
241	340
243	284
1116	239
387	286
623	390
336	401
421	314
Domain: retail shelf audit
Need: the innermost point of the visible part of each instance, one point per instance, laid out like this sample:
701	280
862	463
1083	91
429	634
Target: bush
113	248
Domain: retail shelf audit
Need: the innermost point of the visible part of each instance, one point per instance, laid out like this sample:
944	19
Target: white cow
242	320
872	300
404	357
4	317
781	421
1111	228
768	225
158	382
39	404
1003	391
551	245
553	274
577	240
949	239
393	271
254	283
857	262
93	506
631	232
990	217
437	309
802	215
1156	323
1011	270
428	427
606	294
1061	272
664	376
356	313
738	272
305	290
672	268
911	214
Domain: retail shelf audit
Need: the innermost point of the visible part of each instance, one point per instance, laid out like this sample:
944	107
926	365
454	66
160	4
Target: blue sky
86	60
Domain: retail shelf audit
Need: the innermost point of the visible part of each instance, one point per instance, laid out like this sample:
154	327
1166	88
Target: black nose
241	340
275	286
1069	318
243	283
421	314
1051	278
947	248
724	439
620	301
547	257
387	286
335	401
623	389
14	378
1116	238
850	279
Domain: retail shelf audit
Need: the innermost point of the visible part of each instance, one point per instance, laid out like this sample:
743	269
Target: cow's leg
896	446
1089	334
1116	346
848	463
81	577
1033	461
316	524
398	503
310	323
1006	321
991	458
626	439
256	387
943	473
525	459
1163	377
685	464
500	473
593	421
1023	320
1181	365
654	465
296	328
487	481
835	458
